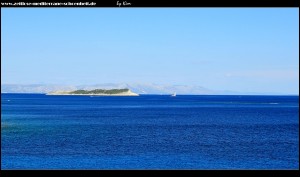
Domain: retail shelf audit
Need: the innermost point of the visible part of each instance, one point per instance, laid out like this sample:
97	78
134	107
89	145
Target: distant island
100	92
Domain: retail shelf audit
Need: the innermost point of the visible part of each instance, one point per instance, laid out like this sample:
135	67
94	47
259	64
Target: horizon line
178	94
233	92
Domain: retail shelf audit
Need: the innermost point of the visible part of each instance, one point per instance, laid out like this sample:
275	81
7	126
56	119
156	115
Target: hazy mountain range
137	88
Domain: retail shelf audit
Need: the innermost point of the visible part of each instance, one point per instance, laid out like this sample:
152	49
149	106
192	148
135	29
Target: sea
203	132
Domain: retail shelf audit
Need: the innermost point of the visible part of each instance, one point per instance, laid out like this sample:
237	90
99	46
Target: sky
237	49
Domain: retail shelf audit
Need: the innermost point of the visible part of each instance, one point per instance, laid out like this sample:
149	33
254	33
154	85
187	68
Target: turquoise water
149	132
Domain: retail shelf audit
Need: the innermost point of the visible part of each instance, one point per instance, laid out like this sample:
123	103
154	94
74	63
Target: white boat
174	94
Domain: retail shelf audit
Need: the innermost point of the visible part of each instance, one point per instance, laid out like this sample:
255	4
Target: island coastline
94	93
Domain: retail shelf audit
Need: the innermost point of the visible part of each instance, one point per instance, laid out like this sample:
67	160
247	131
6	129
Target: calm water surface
149	132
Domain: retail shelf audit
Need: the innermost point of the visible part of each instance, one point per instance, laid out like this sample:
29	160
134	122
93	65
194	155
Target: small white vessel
174	94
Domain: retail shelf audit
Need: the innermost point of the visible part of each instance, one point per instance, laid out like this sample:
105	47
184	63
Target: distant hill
136	88
34	88
103	92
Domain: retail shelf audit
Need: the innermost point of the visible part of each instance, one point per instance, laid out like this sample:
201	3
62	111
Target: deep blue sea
149	132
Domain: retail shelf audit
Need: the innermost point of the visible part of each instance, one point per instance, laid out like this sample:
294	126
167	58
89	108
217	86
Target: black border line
161	3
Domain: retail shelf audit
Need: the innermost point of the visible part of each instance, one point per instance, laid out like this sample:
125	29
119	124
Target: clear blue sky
239	49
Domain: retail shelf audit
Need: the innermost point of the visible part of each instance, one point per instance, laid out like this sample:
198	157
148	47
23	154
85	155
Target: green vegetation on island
99	91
